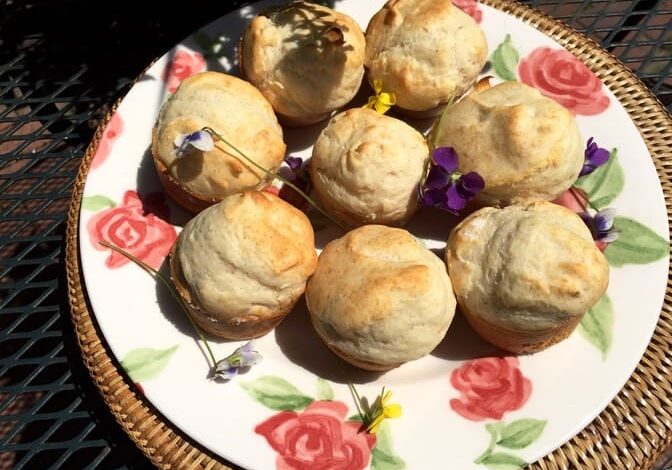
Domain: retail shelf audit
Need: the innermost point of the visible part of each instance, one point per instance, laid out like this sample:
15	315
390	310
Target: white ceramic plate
464	404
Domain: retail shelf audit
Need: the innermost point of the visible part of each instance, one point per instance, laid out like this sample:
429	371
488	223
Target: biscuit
379	298
366	168
242	264
525	275
428	52
241	114
525	146
307	60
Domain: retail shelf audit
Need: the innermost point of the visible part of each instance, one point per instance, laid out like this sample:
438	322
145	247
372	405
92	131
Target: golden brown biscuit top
307	59
366	167
250	249
234	108
525	146
426	51
379	295
526	266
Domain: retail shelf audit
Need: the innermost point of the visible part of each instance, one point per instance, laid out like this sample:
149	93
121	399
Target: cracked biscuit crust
525	275
379	298
244	262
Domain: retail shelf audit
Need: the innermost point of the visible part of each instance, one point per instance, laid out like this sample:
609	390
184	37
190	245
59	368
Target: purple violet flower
595	156
200	140
296	173
243	357
602	225
294	163
445	187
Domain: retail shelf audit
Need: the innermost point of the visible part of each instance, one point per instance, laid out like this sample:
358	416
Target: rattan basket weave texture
630	433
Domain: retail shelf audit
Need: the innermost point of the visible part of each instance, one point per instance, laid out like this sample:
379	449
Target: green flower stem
276	175
573	190
366	419
157	275
488	451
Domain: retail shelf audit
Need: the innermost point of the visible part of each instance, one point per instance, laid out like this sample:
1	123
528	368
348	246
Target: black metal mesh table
62	64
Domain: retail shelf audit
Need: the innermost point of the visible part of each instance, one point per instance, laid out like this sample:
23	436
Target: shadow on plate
461	343
301	345
147	181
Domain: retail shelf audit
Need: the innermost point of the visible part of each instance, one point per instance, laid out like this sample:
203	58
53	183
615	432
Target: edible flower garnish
243	357
383	100
373	416
594	157
383	410
601	225
199	140
297	173
272	175
445	187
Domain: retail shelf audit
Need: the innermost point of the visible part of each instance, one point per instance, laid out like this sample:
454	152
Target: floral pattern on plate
497	400
556	73
470	7
489	387
138	225
185	63
111	133
312	433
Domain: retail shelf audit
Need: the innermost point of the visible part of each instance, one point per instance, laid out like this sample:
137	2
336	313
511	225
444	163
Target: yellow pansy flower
383	411
383	100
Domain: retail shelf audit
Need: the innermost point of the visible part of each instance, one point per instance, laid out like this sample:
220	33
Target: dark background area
62	65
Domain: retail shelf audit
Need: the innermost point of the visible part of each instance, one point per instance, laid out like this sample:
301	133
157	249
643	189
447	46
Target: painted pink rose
573	199
110	134
470	7
318	438
185	63
138	226
489	387
576	200
559	75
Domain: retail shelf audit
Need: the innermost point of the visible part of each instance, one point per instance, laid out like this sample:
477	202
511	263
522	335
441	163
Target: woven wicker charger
630	433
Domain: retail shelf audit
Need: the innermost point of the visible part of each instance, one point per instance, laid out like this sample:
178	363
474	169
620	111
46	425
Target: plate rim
639	403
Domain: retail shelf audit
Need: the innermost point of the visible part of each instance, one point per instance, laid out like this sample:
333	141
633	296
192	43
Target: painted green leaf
521	433
383	456
356	417
597	325
276	393
636	244
324	390
144	364
505	60
97	202
502	461
495	428
383	461
603	185
383	438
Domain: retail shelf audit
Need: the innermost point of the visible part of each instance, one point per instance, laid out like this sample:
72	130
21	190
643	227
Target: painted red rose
110	134
185	63
138	225
489	387
470	7
559	75
318	438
